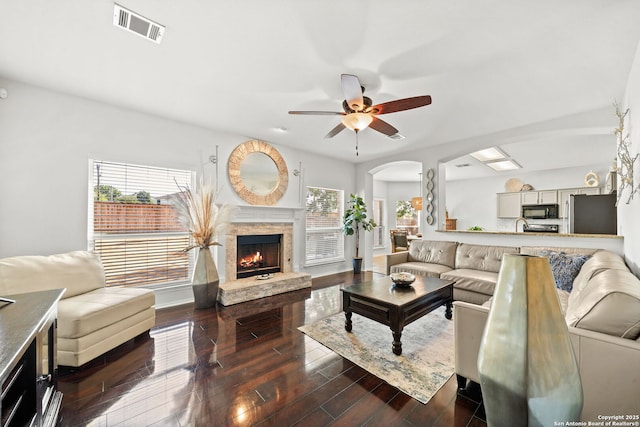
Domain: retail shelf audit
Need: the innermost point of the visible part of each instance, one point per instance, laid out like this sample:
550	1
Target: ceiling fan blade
401	105
336	130
318	113
352	90
382	126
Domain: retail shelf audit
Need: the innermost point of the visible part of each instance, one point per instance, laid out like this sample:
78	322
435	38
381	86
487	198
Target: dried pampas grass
199	213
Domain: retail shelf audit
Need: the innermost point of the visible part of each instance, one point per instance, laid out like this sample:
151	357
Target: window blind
133	224
324	237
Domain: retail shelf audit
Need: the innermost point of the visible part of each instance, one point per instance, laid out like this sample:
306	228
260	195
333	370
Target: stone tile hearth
252	288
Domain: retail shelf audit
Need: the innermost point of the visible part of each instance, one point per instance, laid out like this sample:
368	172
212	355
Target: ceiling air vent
131	21
397	136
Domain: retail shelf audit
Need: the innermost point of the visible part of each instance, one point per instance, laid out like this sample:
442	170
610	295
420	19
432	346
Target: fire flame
254	260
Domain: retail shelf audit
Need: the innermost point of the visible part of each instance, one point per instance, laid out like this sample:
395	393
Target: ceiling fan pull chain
356	142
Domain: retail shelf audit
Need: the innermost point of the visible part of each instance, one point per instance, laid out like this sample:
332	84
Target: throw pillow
565	267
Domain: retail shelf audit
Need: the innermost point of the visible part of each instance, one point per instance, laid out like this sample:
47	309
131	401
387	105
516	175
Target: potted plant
355	218
204	220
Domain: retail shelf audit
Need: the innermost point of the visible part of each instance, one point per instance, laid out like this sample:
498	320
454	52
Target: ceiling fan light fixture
357	121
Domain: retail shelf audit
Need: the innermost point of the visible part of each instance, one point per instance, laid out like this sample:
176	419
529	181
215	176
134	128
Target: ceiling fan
359	113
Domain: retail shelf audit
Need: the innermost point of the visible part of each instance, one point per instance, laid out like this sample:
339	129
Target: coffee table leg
397	345
448	313
347	321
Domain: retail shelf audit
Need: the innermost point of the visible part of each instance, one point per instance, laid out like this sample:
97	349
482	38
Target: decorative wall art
430	185
624	168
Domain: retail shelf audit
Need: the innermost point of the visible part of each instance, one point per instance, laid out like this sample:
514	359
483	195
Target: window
324	238
133	224
378	218
407	217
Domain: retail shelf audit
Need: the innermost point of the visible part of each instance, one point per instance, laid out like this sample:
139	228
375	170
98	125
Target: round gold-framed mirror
258	173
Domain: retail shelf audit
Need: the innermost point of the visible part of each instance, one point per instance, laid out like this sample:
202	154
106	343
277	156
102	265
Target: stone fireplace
258	228
258	248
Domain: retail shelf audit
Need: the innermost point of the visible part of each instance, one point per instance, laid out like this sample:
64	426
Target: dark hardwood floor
247	365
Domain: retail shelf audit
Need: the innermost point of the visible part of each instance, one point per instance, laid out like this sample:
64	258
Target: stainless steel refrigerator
593	214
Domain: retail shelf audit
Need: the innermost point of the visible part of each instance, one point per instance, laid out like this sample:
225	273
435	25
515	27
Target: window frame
337	230
173	238
415	217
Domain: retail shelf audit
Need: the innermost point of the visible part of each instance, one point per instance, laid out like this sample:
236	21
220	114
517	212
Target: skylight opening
489	154
503	165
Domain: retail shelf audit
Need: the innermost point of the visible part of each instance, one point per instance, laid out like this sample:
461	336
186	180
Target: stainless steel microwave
540	211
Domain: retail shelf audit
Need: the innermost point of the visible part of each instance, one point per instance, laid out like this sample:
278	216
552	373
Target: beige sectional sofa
92	318
602	313
473	268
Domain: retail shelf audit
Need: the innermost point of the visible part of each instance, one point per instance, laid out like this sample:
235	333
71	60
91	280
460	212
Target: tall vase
205	280
528	371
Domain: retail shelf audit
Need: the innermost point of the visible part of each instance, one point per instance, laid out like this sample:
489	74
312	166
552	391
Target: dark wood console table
28	360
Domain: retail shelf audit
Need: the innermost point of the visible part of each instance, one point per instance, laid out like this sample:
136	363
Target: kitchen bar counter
506	238
521	233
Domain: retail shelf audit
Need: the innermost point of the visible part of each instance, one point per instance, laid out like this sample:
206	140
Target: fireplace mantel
246	213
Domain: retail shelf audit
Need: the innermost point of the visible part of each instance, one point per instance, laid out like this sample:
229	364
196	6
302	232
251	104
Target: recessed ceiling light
489	154
503	165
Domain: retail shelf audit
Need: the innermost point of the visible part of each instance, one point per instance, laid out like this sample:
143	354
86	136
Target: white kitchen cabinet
542	197
564	195
509	205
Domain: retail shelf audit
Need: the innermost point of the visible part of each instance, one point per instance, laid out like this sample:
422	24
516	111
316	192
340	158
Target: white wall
47	138
380	191
473	201
629	214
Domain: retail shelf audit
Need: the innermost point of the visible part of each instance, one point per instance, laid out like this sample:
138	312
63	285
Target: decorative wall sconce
625	166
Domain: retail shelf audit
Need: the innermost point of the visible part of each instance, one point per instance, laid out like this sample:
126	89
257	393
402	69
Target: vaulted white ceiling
492	67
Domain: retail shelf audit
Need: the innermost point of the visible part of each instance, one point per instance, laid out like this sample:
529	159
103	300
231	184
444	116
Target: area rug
426	362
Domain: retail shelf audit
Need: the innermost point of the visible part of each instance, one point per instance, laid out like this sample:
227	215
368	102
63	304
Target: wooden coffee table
394	306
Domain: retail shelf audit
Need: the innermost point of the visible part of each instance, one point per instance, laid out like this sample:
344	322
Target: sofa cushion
481	257
609	303
91	311
433	252
78	271
479	281
420	268
564	267
600	261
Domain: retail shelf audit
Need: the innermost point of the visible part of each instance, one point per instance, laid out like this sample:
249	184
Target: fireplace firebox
258	254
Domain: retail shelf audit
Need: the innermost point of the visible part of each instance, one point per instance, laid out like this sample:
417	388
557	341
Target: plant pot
528	372
357	265
205	280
